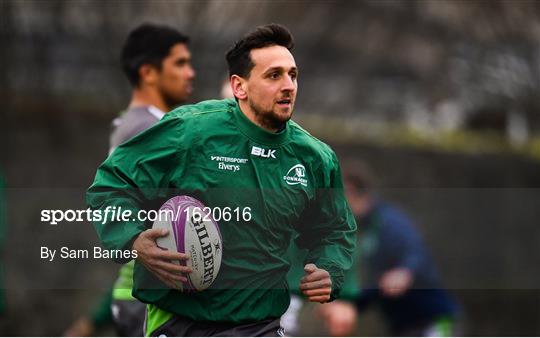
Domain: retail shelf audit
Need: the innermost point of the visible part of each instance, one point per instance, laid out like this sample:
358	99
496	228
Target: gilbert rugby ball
193	232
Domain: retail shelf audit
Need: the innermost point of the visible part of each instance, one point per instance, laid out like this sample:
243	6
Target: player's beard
268	119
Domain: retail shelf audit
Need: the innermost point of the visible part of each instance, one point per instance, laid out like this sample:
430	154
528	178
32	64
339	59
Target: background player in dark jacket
400	275
157	62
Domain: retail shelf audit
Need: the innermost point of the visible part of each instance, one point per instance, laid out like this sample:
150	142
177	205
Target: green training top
283	183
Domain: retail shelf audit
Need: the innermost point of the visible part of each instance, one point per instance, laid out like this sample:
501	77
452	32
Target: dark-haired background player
157	62
296	188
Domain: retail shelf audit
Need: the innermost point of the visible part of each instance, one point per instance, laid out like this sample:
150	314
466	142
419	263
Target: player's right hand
316	284
159	261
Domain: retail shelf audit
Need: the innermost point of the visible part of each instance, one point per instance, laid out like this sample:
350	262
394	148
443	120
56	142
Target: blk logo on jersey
266	153
296	175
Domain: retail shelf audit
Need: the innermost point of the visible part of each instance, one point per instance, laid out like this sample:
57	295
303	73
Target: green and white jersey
290	181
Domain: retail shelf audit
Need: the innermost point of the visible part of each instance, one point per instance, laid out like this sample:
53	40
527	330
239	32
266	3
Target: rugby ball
192	230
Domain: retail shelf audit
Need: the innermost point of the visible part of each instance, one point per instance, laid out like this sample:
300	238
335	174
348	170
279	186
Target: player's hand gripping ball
191	231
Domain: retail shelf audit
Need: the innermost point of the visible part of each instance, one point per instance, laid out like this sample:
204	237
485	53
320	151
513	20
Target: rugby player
242	152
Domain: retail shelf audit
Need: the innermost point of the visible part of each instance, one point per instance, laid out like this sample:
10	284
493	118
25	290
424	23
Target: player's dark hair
239	58
148	44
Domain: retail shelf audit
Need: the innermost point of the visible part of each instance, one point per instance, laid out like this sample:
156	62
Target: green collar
255	132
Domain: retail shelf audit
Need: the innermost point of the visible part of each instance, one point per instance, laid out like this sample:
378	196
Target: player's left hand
316	284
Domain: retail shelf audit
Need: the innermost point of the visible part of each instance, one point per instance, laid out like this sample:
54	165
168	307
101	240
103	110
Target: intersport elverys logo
296	175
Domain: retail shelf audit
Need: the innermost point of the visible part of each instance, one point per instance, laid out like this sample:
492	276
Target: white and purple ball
194	232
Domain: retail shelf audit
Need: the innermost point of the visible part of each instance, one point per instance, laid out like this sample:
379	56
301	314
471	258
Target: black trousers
183	327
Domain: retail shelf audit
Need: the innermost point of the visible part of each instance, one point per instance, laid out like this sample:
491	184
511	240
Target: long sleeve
329	230
133	177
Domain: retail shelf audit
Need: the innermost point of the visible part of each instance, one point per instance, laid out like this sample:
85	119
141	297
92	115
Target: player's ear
148	74
239	87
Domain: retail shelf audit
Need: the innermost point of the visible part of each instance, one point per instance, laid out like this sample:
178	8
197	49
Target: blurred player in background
400	275
157	62
296	188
